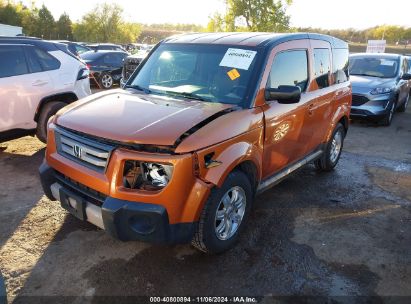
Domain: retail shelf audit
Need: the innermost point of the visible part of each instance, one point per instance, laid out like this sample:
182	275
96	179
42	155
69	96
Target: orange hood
136	118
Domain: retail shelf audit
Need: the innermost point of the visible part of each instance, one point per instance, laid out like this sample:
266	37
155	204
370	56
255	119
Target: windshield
374	66
212	73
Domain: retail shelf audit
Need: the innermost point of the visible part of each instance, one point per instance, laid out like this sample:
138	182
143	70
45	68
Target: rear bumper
124	220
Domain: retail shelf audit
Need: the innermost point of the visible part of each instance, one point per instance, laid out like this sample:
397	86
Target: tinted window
289	68
81	49
322	67
374	66
114	59
91	56
340	70
12	61
32	59
46	61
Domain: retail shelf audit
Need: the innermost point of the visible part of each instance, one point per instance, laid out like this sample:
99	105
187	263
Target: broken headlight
146	175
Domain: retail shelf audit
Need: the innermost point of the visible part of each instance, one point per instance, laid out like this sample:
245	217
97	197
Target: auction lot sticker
238	58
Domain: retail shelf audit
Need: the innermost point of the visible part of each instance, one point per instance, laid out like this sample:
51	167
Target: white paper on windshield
238	58
387	62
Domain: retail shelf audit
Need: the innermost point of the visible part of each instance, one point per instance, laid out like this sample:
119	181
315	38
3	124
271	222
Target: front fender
247	147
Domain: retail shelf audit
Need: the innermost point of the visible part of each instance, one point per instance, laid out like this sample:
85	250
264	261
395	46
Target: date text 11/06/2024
203	300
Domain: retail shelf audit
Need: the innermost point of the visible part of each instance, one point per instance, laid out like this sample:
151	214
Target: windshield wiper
365	74
139	88
187	95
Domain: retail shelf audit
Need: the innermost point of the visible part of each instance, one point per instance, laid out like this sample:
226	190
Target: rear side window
32	60
12	61
340	70
114	59
322	67
47	62
289	68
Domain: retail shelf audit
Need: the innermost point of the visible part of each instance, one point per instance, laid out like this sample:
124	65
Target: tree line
105	23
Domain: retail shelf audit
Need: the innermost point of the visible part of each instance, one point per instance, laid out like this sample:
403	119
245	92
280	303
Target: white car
37	78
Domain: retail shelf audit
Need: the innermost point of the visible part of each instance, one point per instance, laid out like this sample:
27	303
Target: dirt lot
345	233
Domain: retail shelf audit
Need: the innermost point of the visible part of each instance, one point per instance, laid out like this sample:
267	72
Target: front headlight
146	176
378	91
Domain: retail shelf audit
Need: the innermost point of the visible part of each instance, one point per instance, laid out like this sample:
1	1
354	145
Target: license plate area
73	203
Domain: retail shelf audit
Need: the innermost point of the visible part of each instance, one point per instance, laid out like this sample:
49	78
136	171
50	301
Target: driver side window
289	68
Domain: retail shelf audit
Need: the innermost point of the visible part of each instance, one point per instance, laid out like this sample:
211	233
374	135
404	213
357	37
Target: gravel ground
344	233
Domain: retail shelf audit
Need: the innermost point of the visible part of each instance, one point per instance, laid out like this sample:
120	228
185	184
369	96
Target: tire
206	237
332	153
404	106
106	81
48	110
389	116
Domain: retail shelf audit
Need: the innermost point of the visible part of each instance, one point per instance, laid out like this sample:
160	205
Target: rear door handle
39	83
311	109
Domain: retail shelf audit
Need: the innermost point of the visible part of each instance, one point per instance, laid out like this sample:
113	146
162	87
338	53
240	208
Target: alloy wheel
107	81
336	146
230	213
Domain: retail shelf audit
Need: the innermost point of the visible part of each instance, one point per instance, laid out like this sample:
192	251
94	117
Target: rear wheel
224	215
106	81
404	106
332	152
48	110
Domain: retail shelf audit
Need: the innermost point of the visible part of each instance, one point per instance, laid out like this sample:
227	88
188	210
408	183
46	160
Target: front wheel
332	152
388	117
48	110
224	215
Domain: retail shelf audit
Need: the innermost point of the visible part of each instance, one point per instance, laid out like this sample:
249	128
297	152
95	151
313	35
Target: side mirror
406	76
284	94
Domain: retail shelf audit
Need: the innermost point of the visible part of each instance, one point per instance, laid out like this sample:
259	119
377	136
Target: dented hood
136	118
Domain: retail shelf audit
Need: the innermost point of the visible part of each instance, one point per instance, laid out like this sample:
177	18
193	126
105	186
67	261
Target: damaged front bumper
124	220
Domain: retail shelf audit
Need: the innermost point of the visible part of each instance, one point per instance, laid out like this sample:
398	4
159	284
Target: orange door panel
285	134
320	110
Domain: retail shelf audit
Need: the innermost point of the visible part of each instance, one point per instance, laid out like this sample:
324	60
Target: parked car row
221	119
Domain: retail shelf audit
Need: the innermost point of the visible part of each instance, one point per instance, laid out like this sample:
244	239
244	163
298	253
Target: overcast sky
330	14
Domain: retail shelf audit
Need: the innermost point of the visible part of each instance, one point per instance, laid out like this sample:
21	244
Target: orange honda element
205	123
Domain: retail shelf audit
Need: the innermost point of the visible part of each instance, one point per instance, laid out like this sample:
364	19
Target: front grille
90	195
359	100
92	154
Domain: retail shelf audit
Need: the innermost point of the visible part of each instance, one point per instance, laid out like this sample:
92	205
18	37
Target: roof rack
19	37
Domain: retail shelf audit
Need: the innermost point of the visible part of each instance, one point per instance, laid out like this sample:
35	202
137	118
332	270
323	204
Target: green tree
64	27
9	15
259	15
105	24
46	23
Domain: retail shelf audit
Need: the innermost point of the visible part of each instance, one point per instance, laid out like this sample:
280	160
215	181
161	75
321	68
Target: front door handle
39	83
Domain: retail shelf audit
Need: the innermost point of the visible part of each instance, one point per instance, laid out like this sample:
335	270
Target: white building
9	30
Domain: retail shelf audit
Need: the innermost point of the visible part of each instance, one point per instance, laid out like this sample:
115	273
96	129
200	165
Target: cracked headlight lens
146	175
